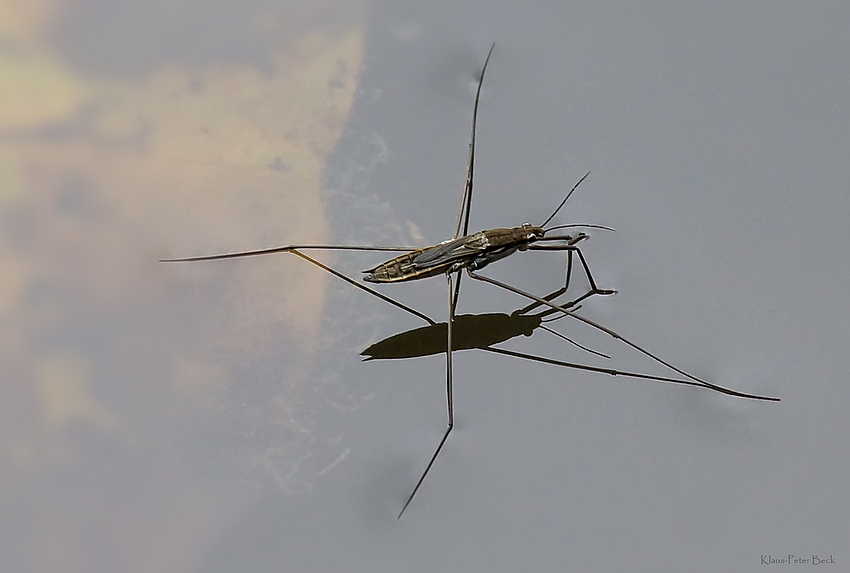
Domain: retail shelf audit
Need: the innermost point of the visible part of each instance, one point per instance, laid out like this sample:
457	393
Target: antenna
565	199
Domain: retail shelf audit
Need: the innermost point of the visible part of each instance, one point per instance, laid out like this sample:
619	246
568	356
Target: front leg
571	247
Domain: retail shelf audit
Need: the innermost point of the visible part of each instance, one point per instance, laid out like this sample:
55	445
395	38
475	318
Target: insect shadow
476	331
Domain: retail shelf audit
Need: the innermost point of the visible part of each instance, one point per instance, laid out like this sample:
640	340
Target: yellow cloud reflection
103	175
124	375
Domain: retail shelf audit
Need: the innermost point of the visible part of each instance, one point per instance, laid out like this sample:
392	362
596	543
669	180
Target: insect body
474	251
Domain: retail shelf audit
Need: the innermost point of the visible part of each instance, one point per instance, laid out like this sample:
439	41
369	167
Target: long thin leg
322	266
577	250
449	404
572	306
613	372
287	248
613	334
466	200
590	277
555	294
362	287
593	288
552	296
457	290
573	342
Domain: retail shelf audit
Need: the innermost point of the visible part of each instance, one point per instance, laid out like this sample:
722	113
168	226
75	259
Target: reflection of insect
483	331
473	252
474	331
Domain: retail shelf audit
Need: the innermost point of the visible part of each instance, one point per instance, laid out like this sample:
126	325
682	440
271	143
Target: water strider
473	252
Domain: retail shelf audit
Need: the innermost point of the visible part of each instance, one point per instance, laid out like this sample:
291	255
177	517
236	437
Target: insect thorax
514	236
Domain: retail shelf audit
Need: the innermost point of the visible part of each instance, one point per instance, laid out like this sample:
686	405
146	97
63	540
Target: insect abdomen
402	268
